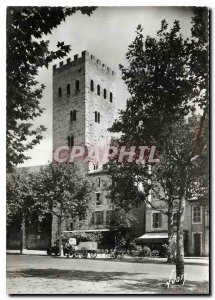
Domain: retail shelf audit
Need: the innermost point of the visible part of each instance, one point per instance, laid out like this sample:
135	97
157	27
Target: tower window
97	117
77	86
105	94
73	115
111	97
59	92
91	85
68	89
70	141
98	90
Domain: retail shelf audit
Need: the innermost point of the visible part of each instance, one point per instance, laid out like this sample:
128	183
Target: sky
106	34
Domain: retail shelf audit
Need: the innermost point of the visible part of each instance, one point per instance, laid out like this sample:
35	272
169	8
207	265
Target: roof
154	235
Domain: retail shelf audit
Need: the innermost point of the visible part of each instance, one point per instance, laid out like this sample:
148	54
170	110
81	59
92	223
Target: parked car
80	251
53	250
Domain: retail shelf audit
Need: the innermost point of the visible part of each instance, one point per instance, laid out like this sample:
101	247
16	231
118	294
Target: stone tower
84	95
83	101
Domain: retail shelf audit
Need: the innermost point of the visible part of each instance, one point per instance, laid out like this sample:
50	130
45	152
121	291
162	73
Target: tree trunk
60	235
170	254
180	245
180	231
22	236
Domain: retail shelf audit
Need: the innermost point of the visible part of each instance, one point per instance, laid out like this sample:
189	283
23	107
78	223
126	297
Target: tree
165	88
158	184
21	201
62	191
27	51
119	222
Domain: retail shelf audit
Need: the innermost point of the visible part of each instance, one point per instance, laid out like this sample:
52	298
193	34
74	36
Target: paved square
32	274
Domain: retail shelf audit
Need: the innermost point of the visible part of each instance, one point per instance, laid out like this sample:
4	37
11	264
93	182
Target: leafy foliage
167	83
20	197
27	51
119	219
62	191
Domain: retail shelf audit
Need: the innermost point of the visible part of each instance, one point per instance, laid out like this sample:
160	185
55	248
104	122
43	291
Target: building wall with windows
100	106
196	233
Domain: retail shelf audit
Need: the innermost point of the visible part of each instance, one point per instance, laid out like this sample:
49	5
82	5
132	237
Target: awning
153	235
86	230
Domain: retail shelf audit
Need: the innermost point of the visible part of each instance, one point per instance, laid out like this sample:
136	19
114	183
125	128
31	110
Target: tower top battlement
85	55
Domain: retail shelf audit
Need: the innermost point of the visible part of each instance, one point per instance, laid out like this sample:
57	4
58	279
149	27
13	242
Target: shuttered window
98	217
156	220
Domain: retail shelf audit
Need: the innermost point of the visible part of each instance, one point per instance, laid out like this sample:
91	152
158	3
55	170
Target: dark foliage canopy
27	51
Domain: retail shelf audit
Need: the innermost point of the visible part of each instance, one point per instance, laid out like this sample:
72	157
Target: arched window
91	85
111	97
98	90
77	86
96	117
68	89
105	94
59	92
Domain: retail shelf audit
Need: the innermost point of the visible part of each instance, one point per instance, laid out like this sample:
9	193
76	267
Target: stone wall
62	125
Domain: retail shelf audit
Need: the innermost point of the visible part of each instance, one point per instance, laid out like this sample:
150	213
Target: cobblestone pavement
32	274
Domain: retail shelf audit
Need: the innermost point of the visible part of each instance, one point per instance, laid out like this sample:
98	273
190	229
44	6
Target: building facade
196	229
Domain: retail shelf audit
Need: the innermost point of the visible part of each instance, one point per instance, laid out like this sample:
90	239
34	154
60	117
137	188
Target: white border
3	4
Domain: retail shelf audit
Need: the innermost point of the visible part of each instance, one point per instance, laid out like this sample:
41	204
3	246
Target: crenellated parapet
85	55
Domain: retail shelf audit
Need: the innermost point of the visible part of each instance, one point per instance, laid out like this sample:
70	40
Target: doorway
197	237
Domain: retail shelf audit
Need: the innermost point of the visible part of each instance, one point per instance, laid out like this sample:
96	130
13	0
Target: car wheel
49	252
93	254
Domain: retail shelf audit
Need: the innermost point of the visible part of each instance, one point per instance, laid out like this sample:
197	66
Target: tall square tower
83	101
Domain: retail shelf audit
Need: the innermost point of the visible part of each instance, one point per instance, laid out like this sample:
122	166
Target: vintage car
53	250
83	250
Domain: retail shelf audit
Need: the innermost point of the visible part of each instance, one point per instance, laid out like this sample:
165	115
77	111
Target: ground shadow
71	274
160	287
